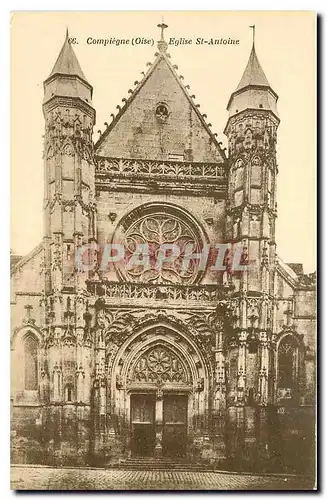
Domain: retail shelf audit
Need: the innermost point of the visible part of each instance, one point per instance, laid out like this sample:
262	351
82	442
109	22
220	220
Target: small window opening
69	393
162	112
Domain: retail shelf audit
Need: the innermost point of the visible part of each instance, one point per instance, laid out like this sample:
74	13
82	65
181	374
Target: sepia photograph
163	250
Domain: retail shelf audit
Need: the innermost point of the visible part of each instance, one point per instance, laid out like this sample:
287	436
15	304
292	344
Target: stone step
156	464
184	468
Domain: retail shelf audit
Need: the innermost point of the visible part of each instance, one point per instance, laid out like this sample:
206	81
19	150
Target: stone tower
69	217
250	224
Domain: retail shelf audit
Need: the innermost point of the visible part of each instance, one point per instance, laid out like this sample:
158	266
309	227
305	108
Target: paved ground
42	478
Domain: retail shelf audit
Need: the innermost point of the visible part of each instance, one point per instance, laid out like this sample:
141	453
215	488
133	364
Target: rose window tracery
154	230
159	365
162	112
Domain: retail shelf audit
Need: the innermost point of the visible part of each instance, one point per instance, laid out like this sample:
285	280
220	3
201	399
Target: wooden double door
146	424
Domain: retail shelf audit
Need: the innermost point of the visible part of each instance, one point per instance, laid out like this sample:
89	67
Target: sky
285	45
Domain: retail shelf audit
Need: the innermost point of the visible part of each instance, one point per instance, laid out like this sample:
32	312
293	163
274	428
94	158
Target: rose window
162	112
154	231
159	361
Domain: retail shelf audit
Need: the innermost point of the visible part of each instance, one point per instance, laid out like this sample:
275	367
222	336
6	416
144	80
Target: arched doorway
159	383
160	388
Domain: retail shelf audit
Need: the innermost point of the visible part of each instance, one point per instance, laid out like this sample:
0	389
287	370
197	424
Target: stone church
111	365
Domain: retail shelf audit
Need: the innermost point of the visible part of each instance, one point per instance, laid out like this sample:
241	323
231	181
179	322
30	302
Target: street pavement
47	478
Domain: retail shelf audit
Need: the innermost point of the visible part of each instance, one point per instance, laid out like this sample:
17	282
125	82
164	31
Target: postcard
163	284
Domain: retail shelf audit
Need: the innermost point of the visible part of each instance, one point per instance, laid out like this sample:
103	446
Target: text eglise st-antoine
175	41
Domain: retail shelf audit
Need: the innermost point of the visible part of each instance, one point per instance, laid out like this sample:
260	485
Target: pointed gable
160	121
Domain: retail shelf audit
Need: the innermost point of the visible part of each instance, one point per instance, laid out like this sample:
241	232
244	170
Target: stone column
158	423
241	367
263	438
219	404
250	437
264	369
100	396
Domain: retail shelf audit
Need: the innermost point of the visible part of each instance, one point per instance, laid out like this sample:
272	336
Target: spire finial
162	45
253	33
67	35
162	26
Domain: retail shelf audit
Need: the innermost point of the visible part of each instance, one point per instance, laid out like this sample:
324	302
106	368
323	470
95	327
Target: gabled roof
67	62
14	259
286	272
161	56
253	74
296	281
17	264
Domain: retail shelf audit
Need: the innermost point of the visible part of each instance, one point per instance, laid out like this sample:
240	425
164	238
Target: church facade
204	363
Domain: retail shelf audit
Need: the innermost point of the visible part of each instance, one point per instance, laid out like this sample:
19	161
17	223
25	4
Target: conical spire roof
67	62
254	90
253	74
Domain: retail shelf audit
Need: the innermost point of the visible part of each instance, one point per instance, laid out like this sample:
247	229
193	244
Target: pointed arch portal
160	387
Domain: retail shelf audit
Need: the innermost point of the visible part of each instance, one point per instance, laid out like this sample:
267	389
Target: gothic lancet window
287	362
31	369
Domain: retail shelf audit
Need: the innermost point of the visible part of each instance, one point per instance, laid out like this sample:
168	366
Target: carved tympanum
159	365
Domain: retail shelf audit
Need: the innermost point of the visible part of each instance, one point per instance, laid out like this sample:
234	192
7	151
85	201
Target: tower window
30	354
69	393
68	252
287	362
260	106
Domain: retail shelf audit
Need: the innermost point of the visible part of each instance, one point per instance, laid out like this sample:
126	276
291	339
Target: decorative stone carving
146	322
135	291
200	384
57	257
202	323
112	216
145	168
28	320
159	365
66	134
87	328
259	136
119	382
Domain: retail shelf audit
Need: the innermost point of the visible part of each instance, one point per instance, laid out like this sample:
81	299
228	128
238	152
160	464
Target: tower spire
162	44
67	62
253	91
67	77
253	73
253	34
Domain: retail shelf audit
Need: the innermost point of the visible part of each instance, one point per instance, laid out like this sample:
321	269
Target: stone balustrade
155	292
114	167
